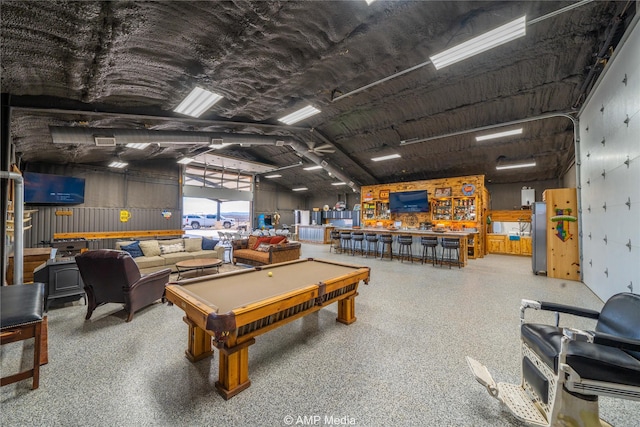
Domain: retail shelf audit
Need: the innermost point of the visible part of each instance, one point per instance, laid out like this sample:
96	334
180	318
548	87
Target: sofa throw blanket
170	249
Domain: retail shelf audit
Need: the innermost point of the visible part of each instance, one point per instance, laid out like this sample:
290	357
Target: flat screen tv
409	201
46	189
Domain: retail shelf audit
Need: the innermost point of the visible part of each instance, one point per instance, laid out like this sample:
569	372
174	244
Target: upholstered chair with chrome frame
565	370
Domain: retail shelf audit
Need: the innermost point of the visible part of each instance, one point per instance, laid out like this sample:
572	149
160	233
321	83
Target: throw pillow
266	239
209	244
193	245
150	247
277	239
171	249
263	247
133	249
252	242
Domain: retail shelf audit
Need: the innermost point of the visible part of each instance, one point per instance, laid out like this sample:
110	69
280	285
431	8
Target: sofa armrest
282	253
240	244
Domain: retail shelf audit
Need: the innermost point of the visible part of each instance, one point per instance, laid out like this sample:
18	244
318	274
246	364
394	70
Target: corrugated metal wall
144	191
46	223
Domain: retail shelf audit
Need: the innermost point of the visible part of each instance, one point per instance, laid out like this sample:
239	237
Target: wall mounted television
46	189
409	202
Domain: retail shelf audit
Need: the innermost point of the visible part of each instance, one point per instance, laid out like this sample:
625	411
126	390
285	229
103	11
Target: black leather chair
372	241
405	242
386	242
450	252
357	241
113	276
564	370
345	241
21	318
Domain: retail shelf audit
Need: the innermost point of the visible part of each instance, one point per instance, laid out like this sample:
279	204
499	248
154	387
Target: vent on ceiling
324	164
104	141
216	141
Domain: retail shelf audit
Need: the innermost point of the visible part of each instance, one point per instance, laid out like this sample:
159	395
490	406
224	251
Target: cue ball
270	274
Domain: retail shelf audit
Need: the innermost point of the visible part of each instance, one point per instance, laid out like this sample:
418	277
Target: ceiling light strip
185	160
501	35
197	102
275	175
312	168
499	134
516	165
116	164
138	145
301	114
299	189
389	157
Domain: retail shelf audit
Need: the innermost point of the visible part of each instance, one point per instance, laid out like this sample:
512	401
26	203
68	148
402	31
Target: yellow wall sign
124	216
64	213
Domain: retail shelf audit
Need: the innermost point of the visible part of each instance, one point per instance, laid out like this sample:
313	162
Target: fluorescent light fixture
275	175
185	160
138	145
389	157
299	189
117	164
301	114
312	168
197	102
482	43
516	164
499	134
218	146
338	183
369	1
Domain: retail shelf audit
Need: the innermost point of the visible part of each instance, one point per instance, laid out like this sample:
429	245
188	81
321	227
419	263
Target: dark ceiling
120	68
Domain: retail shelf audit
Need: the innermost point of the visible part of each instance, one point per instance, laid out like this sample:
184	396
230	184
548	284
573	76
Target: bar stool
448	246
429	244
372	239
387	241
405	243
335	241
357	238
345	240
21	318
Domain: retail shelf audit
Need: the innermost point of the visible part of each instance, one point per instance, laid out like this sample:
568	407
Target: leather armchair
113	276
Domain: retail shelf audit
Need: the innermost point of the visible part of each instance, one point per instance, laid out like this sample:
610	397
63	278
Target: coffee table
198	265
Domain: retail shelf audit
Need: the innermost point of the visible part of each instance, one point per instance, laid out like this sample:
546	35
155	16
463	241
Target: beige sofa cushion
193	245
172	258
149	261
150	247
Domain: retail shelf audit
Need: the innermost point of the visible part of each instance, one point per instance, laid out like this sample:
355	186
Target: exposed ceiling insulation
119	68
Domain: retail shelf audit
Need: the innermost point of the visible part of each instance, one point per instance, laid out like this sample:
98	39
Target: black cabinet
61	278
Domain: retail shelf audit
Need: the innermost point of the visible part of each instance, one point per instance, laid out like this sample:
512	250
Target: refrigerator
539	237
302	217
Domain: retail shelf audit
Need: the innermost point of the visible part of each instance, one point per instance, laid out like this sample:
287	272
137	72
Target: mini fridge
539	237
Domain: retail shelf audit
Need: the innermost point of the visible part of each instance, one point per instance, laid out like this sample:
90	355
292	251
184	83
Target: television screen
409	201
40	188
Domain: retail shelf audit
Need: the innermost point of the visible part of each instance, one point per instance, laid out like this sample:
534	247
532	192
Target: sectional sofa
153	255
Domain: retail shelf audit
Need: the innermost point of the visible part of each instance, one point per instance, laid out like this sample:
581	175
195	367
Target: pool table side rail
257	318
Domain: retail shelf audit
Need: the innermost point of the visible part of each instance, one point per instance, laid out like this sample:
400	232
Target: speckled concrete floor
402	363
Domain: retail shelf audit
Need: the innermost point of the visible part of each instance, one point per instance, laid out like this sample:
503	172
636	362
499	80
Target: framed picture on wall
384	195
443	192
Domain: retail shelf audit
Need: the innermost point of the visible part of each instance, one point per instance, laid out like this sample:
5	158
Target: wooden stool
20	319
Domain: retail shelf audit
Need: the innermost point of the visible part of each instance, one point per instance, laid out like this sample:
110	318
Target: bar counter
314	233
416	247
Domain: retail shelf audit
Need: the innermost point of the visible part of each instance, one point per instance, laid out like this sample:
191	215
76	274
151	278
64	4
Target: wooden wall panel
563	256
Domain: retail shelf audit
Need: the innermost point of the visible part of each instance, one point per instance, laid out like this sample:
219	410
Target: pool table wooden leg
199	346
347	310
233	371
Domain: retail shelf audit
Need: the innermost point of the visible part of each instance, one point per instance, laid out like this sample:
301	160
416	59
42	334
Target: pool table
233	308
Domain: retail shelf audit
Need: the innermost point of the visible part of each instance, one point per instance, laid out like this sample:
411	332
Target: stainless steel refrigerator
539	237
